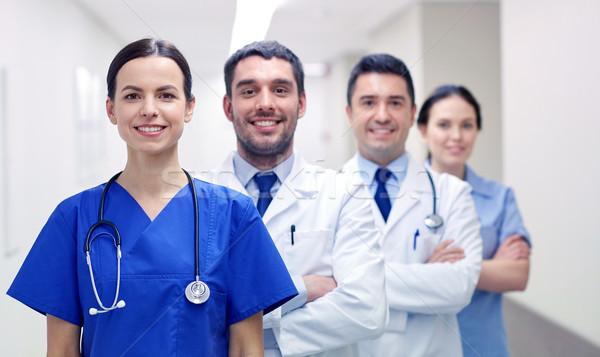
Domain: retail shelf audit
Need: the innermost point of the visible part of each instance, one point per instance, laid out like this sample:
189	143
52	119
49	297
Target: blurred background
532	64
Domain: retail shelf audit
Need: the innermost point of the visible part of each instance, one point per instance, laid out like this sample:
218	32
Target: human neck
152	177
382	160
264	162
456	170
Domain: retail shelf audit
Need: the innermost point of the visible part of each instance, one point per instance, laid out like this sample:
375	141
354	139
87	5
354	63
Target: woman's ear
110	111
190	110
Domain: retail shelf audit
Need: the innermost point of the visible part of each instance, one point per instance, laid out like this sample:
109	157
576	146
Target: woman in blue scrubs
449	122
152	205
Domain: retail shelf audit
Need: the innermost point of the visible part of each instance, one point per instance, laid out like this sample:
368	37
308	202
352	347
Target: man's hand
317	286
444	254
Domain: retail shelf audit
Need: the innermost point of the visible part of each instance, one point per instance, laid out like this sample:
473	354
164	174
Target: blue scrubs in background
481	323
238	261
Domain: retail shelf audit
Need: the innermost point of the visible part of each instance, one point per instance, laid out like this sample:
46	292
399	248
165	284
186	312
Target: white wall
48	136
550	56
461	45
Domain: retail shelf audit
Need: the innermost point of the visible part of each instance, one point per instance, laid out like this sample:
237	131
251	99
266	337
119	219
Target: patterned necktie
382	198
264	183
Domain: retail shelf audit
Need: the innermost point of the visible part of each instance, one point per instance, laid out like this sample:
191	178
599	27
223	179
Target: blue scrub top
481	323
238	261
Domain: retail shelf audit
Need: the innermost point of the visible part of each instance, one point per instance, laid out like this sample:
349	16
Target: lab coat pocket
310	252
423	246
397	321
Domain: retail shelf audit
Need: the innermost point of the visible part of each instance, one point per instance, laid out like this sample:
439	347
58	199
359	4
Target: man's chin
266	149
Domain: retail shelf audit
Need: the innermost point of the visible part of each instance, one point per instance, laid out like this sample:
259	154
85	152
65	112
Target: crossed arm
507	270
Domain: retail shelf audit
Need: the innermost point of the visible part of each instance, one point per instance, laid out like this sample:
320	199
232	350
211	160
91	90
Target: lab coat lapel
411	192
298	185
355	178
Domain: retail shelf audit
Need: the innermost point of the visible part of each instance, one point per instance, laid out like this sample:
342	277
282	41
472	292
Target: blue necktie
382	198
264	183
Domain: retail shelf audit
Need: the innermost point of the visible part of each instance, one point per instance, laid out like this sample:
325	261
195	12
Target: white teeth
149	129
265	123
381	131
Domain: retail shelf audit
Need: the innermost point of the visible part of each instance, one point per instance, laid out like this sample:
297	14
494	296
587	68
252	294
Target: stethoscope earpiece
93	311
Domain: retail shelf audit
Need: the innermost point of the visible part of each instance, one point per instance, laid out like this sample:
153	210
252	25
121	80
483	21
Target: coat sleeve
439	288
357	308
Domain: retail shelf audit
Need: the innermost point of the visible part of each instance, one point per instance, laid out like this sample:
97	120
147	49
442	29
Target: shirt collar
244	170
368	168
477	183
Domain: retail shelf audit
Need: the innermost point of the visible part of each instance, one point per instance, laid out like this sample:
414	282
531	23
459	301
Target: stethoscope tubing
433	190
196	225
433	221
117	241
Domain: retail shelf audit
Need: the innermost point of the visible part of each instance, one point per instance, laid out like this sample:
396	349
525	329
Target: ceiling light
252	21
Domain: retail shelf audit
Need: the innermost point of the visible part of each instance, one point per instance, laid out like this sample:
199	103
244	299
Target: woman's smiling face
149	106
450	133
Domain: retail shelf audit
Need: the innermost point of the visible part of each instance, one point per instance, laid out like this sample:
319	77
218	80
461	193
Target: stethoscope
196	292
433	221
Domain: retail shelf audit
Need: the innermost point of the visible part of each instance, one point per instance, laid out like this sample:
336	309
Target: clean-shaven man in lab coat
430	273
328	240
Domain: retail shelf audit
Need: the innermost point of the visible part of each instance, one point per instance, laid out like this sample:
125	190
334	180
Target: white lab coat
335	236
424	298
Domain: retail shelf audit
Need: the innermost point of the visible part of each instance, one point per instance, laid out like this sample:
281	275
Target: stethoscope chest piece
197	292
433	221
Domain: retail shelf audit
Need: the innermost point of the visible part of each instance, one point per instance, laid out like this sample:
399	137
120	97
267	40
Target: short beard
261	152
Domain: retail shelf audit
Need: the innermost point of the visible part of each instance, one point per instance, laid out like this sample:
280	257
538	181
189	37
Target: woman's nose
149	109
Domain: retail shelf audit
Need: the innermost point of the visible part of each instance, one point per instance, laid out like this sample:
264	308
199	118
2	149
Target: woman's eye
167	96
132	96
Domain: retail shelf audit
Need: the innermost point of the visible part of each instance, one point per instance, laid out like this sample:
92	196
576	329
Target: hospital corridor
531	64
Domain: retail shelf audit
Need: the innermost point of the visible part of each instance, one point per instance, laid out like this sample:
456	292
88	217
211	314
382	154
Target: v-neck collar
180	194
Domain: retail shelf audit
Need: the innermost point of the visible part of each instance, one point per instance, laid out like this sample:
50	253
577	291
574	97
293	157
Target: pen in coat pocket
292	230
415	239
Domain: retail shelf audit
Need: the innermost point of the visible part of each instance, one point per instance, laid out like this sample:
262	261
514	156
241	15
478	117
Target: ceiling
316	30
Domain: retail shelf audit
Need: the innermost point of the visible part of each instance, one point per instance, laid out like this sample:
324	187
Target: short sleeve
258	279
512	222
47	280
